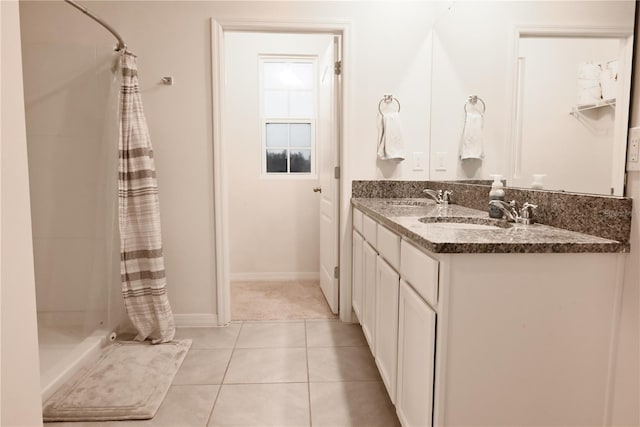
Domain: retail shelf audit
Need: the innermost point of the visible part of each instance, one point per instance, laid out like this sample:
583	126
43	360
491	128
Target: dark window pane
301	161
276	161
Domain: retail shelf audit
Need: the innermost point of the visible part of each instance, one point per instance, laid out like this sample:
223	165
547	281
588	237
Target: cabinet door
368	320
416	350
356	292
387	285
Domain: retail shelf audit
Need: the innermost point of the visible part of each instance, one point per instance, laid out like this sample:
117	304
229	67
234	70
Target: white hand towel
391	145
471	146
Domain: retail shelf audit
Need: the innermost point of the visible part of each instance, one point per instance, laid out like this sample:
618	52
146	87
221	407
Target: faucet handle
446	196
527	210
526	213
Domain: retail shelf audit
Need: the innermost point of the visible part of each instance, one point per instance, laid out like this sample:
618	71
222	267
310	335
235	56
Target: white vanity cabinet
496	339
416	352
378	256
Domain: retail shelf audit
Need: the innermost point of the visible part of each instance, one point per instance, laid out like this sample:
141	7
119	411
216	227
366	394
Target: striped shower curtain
141	259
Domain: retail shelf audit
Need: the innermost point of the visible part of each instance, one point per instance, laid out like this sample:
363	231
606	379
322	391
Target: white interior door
329	180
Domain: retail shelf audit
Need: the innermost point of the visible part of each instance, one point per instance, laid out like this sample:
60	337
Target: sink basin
405	202
463	226
466	223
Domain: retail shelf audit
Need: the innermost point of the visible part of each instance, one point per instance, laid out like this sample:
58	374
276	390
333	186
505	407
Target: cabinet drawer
420	270
357	220
369	231
389	246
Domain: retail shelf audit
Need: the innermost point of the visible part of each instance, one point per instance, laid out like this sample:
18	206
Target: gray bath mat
128	382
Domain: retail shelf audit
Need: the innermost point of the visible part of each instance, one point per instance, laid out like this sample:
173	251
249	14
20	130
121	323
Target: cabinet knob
317	190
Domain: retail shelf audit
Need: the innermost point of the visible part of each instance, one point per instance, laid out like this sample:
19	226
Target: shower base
64	349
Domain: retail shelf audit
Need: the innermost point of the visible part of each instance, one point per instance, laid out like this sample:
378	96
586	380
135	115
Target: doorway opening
277	183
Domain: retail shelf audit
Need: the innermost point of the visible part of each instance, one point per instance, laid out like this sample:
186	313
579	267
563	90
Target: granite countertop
403	217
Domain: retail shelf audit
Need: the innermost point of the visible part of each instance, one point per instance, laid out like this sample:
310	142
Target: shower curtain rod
121	44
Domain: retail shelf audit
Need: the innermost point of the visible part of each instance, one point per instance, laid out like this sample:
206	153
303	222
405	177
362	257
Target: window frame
313	174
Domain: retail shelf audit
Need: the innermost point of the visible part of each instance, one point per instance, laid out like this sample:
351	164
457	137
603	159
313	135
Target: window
288	116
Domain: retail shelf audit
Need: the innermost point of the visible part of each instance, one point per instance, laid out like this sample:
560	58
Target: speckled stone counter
603	216
403	216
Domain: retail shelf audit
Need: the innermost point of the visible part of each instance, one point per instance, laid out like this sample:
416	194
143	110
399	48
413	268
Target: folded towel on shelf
589	90
391	144
609	80
471	145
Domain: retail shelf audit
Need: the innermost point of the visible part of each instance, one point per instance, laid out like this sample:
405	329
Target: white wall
626	402
20	387
390	55
472	54
265	212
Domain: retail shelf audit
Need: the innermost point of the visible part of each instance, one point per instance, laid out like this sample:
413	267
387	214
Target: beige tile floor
289	373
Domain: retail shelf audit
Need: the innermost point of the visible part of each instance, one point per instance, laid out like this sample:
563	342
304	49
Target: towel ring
473	100
388	99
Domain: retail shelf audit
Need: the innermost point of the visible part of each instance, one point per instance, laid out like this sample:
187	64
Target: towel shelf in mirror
575	111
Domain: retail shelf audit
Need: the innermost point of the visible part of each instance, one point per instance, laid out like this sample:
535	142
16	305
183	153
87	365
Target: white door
329	182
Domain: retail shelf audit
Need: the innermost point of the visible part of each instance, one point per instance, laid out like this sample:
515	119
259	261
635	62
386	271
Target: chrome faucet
441	197
522	216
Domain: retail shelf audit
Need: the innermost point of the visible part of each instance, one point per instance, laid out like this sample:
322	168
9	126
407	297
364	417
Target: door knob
317	190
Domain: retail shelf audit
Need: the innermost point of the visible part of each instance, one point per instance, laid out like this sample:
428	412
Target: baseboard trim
197	320
273	277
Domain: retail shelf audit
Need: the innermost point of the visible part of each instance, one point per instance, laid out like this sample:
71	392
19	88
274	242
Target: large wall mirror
555	81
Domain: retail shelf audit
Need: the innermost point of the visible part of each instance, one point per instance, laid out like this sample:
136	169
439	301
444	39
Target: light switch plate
633	149
441	163
418	160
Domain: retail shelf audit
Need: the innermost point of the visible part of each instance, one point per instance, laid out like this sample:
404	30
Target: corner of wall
21	405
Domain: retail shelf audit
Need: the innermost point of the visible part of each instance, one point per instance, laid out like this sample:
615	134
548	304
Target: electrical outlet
633	153
418	159
441	161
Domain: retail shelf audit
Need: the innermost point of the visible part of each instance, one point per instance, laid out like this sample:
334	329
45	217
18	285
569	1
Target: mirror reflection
554	81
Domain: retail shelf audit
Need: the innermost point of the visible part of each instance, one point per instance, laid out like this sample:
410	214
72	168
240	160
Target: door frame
220	195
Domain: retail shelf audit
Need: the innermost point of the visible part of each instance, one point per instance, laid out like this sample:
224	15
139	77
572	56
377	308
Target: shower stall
71	105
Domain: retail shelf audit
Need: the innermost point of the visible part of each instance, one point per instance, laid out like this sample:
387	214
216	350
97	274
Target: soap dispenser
496	193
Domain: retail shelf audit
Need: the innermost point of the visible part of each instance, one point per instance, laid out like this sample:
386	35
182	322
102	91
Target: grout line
271	383
272	348
345	381
306	347
338	346
224	375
